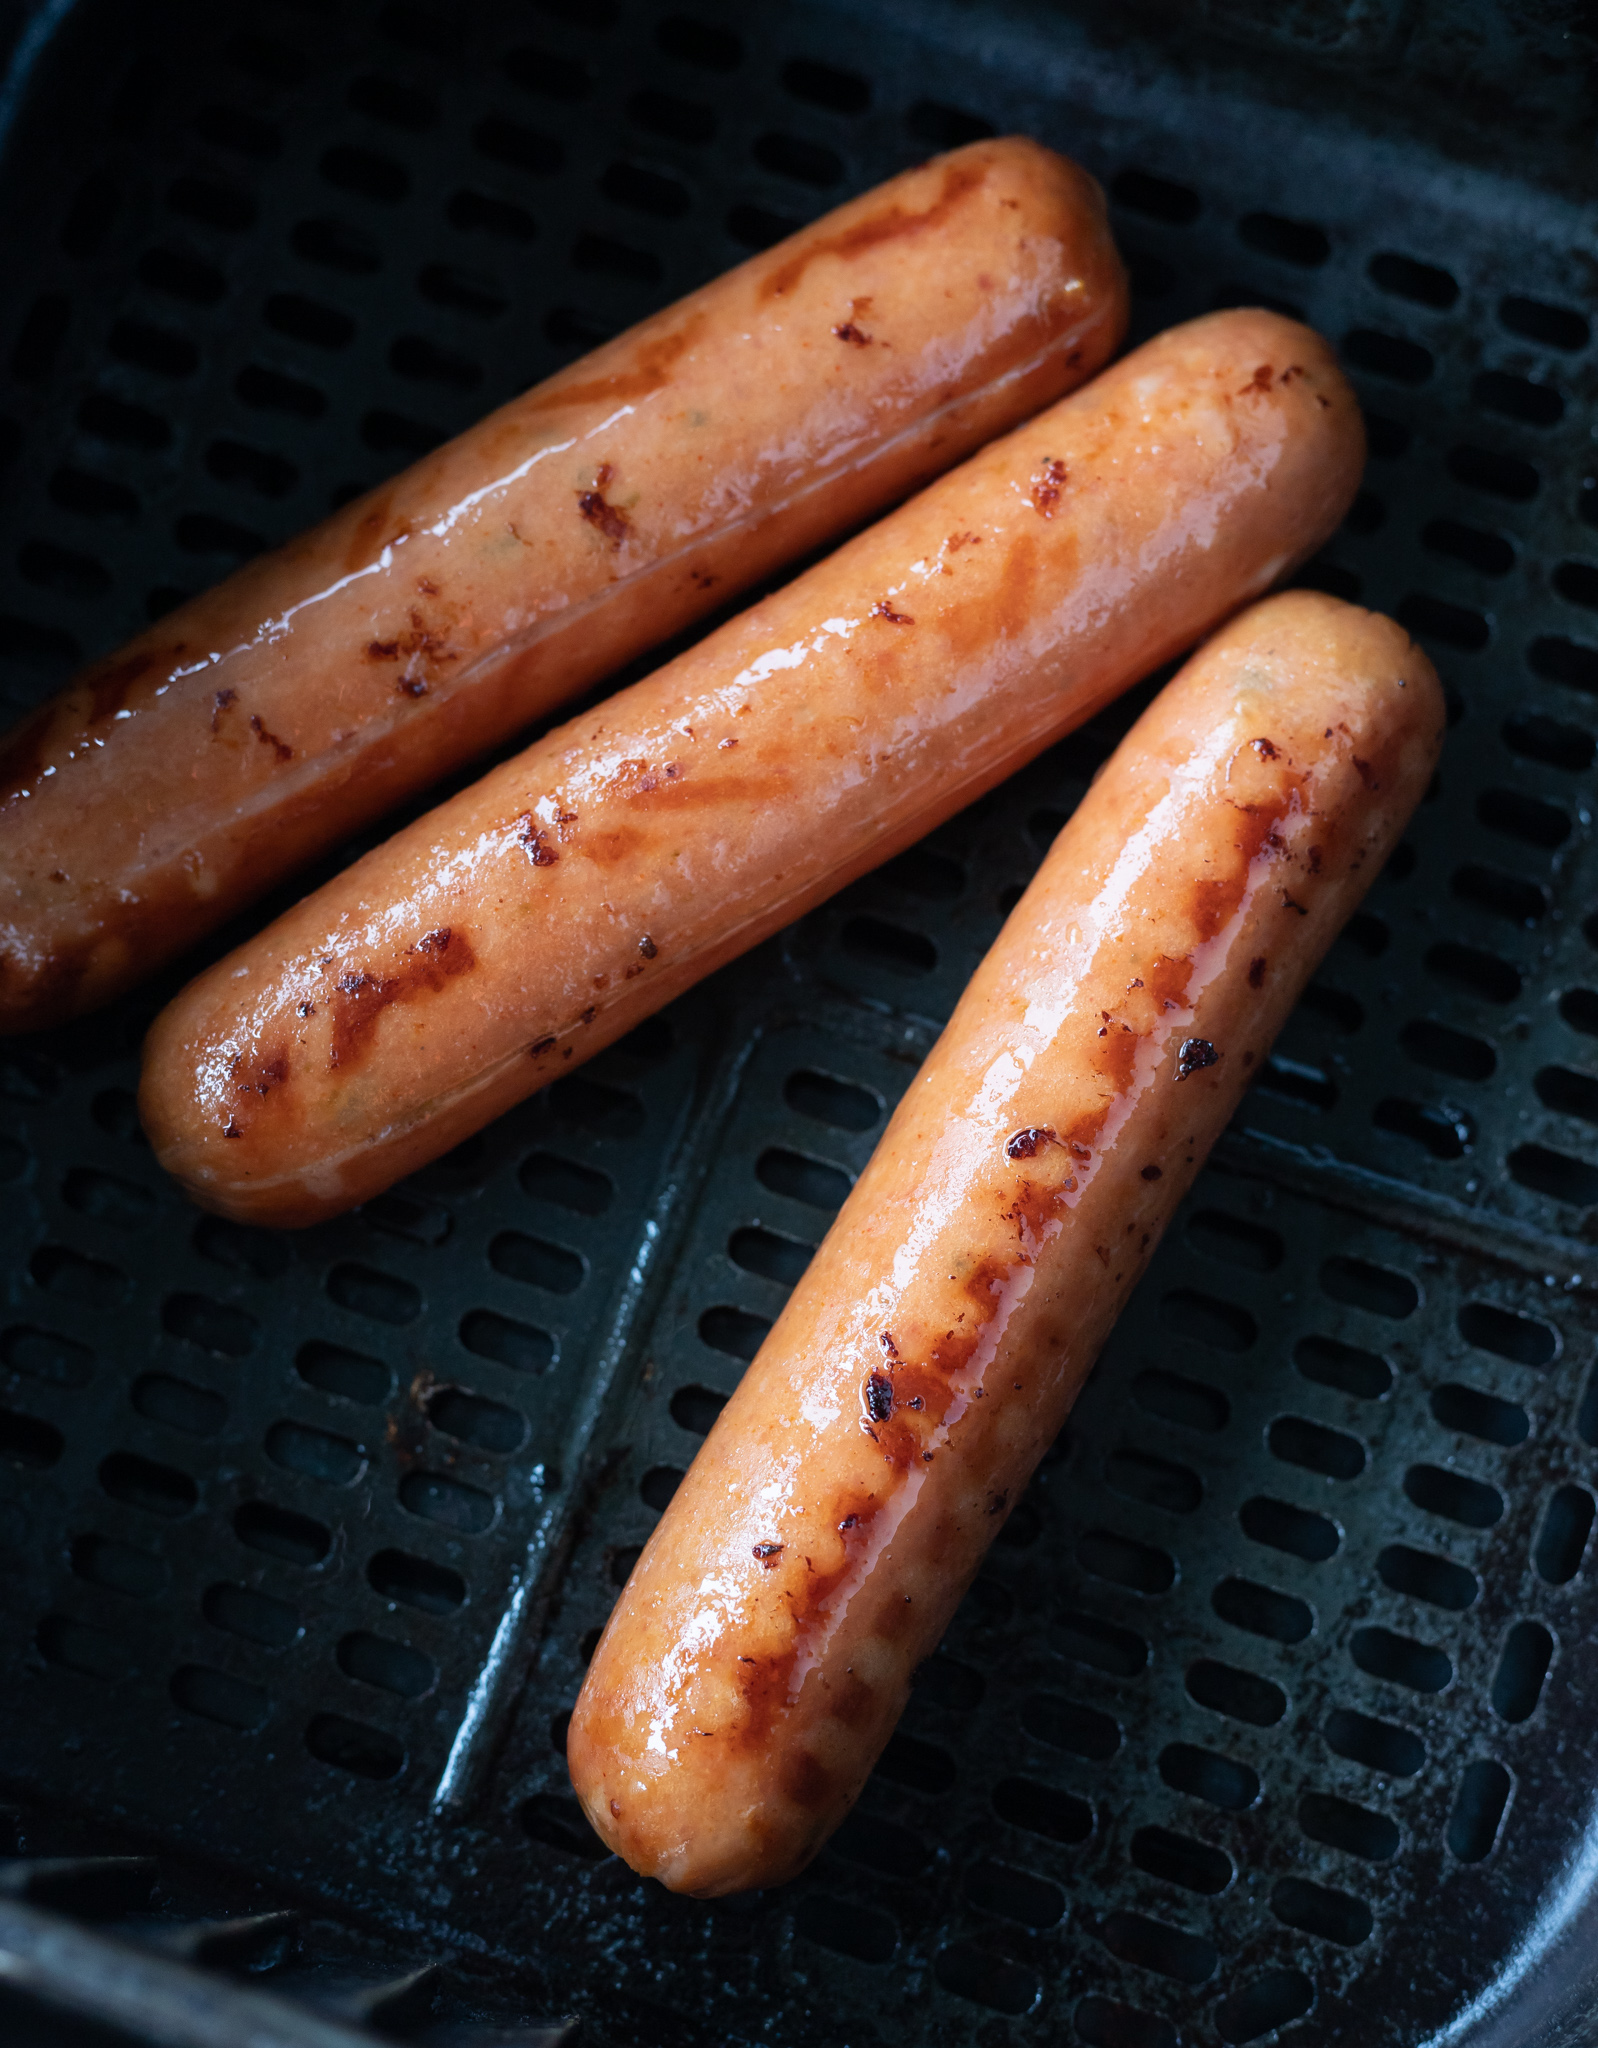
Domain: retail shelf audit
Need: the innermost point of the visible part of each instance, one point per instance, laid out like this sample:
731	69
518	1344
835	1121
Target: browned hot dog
540	914
762	1651
575	527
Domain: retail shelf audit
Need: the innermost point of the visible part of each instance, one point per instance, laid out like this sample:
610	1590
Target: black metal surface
1270	1709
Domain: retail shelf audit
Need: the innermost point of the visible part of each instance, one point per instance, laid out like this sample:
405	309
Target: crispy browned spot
537	847
219	704
1024	1144
1256	972
1194	1055
610	520
281	748
269	1070
1047	486
890	225
882	609
359	999
854	335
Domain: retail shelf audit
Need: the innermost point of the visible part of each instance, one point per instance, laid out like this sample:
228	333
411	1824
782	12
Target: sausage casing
600	512
762	1650
541	913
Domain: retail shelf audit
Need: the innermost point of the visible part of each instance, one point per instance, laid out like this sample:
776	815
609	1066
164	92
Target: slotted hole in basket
1454	1495
450	1503
1562	1540
1043	1810
1182	1860
1123	1561
1344	1367
1522	1339
1154	1945
1281	1617
209	1326
1340	1824
1065	1724
353	1746
1264	2005
1107	2023
1295	1530
1220	1781
119	1567
1155	1482
1478	1810
417	1582
1379	1745
846	1928
1013	1894
1522	1667
1188	1403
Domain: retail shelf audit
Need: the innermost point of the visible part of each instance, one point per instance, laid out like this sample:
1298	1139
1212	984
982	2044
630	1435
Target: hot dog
762	1651
602	511
543	912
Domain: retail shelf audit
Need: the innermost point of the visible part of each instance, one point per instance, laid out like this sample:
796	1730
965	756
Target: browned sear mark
537	847
647	947
846	330
1266	749
219	704
610	520
270	1071
768	1553
875	229
1194	1054
883	609
1047	486
1152	1173
540	1046
1260	381
1365	773
283	751
877	1396
359	998
1256	972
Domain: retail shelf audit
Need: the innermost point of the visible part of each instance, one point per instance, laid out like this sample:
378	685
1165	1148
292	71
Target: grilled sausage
609	507
762	1651
542	913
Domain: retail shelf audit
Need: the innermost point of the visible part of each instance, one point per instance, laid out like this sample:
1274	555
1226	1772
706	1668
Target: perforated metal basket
1272	1709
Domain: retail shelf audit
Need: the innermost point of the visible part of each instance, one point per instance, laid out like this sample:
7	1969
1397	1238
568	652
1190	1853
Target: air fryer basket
1271	1709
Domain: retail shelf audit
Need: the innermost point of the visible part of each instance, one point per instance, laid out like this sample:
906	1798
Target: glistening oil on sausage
599	513
815	736
929	1355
